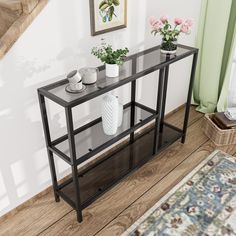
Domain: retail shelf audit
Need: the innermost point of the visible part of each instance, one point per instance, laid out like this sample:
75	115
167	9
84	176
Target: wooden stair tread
18	6
10	11
13	5
15	17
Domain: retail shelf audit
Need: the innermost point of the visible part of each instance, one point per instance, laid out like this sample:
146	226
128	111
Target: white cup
77	86
89	75
75	80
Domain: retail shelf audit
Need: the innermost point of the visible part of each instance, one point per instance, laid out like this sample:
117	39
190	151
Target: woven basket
219	136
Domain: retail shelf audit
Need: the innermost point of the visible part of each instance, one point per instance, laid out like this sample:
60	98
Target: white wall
57	42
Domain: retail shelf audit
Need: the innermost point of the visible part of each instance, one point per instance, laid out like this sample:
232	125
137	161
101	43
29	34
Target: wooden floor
126	202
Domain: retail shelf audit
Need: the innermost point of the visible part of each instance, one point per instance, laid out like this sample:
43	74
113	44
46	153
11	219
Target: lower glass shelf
98	179
90	139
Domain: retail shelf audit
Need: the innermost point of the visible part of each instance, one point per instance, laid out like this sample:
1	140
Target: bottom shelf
97	180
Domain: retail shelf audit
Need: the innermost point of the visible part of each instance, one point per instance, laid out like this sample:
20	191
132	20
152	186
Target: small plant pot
169	47
112	70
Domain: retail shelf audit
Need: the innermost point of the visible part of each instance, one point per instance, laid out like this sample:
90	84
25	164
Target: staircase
10	11
15	17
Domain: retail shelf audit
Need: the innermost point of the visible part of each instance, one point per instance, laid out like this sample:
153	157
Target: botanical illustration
107	9
107	15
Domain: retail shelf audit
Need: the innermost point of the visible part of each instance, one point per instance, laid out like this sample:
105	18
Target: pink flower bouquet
170	32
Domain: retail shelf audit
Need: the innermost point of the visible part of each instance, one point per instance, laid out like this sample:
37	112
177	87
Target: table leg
70	129
189	97
132	113
158	110
133	95
43	110
164	97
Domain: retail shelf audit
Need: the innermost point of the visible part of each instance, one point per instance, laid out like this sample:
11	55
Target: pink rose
157	26
178	21
184	28
153	20
189	22
164	19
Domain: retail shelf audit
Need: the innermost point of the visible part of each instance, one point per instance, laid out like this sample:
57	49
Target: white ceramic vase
120	118
112	70
110	114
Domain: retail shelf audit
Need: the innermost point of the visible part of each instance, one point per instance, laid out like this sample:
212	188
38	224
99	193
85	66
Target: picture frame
106	17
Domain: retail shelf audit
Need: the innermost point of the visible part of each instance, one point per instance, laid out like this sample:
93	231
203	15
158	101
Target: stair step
19	6
15	17
12	5
11	10
29	5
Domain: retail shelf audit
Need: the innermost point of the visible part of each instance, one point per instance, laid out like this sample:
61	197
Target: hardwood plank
31	219
43	212
121	196
178	117
137	209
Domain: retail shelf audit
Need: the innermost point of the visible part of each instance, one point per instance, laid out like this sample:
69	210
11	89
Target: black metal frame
157	115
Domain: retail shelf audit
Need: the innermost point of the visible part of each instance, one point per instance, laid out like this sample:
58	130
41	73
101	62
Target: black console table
80	145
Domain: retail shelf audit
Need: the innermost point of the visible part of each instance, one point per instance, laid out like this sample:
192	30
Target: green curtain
216	41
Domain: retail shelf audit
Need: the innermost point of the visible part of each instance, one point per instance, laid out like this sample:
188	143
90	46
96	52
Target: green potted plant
170	32
112	58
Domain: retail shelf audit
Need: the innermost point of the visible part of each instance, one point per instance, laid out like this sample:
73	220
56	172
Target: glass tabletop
145	61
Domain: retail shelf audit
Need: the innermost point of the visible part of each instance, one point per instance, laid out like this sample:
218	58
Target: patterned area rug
203	203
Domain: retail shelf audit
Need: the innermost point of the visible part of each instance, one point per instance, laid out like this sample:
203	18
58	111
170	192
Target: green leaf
110	2
166	27
104	7
106	54
111	11
116	2
101	4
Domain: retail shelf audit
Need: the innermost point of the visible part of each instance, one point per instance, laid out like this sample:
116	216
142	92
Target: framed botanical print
107	15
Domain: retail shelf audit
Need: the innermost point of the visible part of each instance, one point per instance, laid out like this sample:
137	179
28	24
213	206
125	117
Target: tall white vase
110	114
120	118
